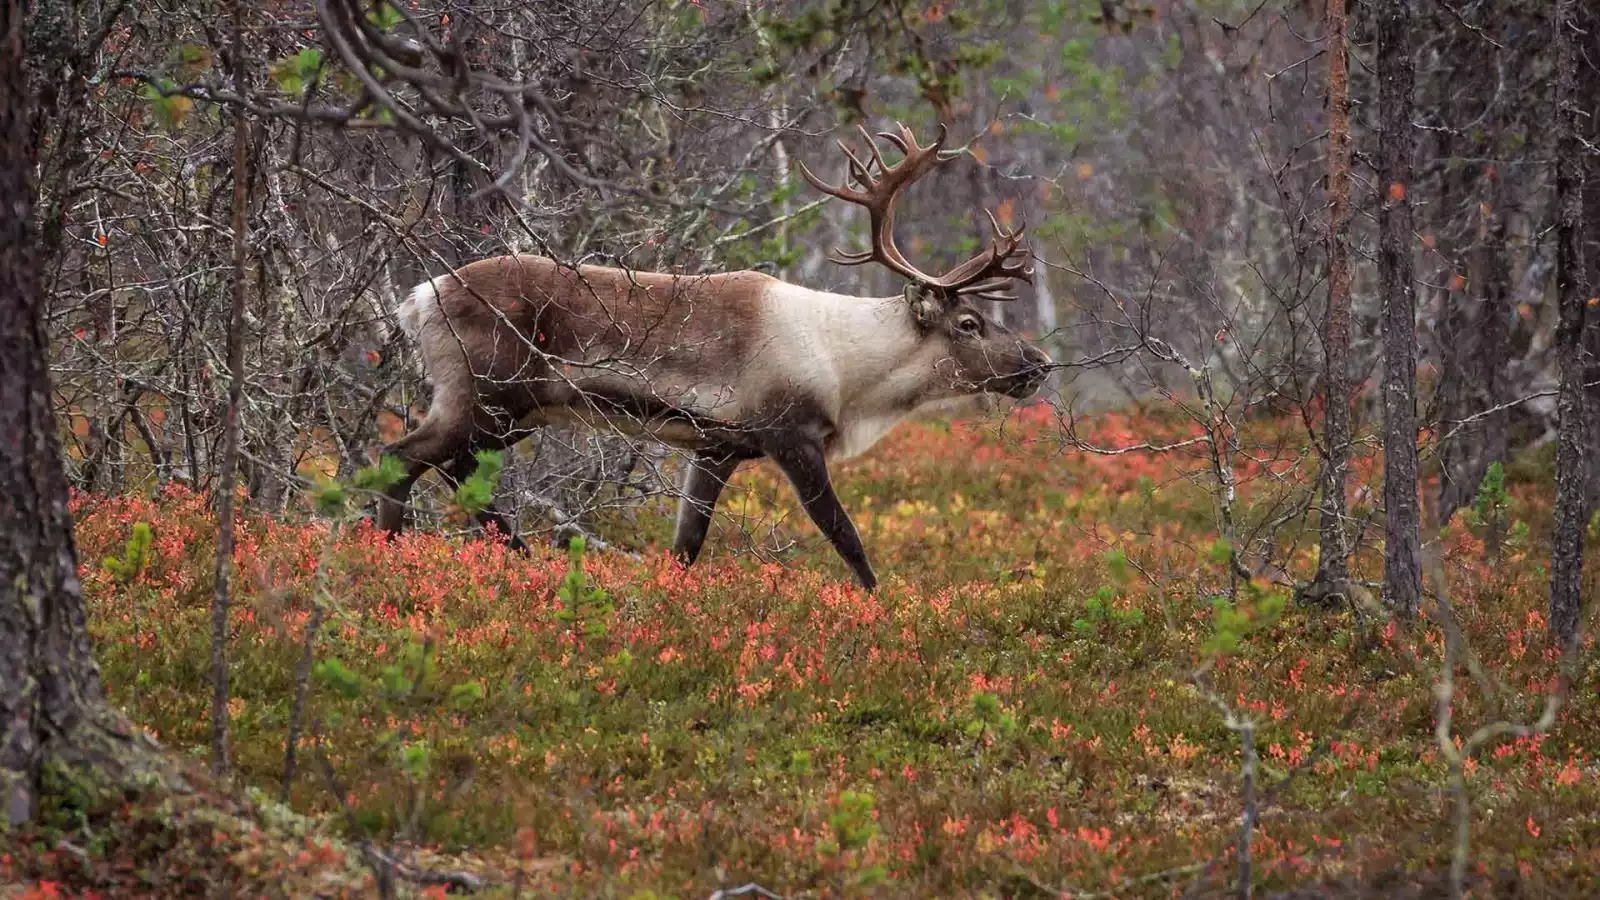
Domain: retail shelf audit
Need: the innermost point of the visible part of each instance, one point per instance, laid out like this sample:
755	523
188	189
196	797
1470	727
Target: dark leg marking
708	474
461	469
450	447
434	443
805	465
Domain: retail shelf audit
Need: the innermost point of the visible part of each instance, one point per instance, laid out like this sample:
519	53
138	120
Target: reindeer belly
674	432
691	418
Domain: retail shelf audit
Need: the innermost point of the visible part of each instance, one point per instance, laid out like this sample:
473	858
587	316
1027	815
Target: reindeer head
982	355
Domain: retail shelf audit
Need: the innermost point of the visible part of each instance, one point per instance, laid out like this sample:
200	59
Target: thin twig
302	673
1444	696
1471	27
752	889
1247	819
384	866
777	220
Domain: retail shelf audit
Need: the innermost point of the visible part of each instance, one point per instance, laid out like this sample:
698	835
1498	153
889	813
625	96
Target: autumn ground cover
1015	713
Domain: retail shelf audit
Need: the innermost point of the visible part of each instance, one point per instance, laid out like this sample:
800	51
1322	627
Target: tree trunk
1402	569
229	467
1588	85
1454	333
1494	317
51	702
1333	568
1566	557
1482	352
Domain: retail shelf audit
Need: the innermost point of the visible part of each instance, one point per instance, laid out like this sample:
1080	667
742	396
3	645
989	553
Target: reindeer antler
879	195
1007	258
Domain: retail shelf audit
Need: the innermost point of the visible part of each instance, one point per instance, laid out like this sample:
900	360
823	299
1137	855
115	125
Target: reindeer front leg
708	474
803	461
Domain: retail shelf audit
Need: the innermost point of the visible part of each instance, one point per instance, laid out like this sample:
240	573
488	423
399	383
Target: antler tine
1022	269
986	286
904	142
859	172
843	193
997	288
1016	262
1022	225
997	264
851	257
879	193
872	145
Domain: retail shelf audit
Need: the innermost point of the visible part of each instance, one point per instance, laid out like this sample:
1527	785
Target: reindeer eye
969	325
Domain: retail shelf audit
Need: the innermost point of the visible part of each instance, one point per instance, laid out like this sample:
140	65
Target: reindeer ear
923	306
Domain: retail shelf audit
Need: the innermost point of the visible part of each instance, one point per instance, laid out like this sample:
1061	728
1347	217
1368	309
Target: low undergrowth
1013	714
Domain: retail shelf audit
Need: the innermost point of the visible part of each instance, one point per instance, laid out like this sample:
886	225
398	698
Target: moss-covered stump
161	827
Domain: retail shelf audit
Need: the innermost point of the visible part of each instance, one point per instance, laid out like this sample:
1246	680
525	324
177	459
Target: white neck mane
863	358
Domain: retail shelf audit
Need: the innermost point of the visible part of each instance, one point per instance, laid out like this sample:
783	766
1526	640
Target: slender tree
1402	573
1566	556
1454	335
1588	85
1473	327
1333	568
227	472
51	701
1490	279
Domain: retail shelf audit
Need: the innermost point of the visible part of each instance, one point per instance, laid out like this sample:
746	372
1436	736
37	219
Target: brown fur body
730	367
537	343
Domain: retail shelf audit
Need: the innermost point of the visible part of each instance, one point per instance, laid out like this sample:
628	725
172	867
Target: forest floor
1017	712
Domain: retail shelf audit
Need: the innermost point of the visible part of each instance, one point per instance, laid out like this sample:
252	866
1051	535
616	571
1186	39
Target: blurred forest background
1173	153
1321	284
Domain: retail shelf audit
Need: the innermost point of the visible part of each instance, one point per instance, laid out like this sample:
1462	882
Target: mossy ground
1011	715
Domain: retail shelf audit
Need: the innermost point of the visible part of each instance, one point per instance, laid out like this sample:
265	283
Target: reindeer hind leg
438	440
462	468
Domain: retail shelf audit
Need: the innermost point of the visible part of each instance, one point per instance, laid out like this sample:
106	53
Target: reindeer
730	367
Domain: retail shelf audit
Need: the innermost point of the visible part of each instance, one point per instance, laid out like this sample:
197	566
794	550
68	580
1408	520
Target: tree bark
1482	354
1588	85
1566	555
1333	568
229	467
1454	335
51	702
1494	317
1402	569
